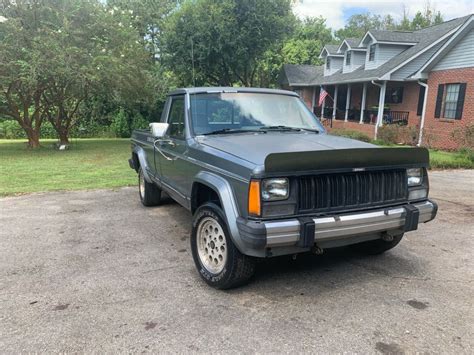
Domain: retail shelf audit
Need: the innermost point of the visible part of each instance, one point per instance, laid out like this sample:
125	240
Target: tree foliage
306	44
221	42
66	50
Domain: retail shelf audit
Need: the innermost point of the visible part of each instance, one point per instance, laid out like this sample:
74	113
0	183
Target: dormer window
328	62
372	53
348	58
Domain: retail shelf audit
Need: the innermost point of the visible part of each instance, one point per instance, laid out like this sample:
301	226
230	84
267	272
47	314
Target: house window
394	95
450	100
348	58
371	52
328	63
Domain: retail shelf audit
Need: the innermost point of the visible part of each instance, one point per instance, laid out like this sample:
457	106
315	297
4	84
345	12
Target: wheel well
201	194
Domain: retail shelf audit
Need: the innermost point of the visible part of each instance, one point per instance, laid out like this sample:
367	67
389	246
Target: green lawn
89	164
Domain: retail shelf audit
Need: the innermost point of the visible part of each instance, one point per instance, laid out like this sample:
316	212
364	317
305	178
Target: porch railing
389	117
370	116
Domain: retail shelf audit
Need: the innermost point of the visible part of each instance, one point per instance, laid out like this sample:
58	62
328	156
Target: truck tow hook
316	250
387	237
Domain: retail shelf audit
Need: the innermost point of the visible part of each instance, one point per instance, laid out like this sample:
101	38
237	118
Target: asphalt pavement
94	271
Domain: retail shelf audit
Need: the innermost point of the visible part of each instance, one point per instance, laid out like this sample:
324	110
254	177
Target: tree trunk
33	137
63	134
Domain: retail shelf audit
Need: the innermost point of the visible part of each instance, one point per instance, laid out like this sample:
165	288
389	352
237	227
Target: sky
337	12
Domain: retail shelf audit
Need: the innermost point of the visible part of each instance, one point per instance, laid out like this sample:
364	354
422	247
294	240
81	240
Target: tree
148	19
359	24
307	42
92	49
21	83
221	42
64	51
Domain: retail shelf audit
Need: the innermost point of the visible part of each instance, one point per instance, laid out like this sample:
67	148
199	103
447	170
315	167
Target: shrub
120	124
350	133
138	122
395	134
465	136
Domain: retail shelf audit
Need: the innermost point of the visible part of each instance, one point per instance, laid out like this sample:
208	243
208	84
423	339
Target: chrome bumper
327	229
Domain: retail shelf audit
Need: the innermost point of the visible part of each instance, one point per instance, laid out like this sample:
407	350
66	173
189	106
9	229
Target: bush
349	133
395	134
139	122
465	136
120	124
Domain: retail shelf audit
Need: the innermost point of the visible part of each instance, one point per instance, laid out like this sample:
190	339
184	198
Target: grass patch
462	159
88	164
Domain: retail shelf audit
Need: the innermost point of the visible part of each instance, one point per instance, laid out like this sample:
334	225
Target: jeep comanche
262	178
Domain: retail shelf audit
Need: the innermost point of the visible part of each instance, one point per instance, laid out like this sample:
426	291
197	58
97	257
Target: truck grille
347	191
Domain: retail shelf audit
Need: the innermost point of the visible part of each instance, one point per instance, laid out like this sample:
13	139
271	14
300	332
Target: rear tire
378	246
217	259
150	194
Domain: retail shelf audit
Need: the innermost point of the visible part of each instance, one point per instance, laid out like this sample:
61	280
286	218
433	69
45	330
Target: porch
369	103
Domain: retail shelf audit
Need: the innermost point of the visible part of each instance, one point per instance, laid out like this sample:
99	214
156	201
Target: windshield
242	112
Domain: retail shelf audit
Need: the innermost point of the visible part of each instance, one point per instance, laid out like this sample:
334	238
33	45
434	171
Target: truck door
174	150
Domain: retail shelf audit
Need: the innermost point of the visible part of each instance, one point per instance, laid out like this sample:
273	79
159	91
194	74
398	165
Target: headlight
275	189
415	176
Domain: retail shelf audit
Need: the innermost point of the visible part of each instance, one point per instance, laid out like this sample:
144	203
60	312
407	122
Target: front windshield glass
243	111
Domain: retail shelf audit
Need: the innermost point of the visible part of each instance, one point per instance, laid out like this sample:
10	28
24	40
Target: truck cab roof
211	89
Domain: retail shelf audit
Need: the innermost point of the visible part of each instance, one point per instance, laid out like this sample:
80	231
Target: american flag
322	95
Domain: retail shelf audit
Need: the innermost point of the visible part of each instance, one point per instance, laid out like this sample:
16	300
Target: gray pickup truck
262	178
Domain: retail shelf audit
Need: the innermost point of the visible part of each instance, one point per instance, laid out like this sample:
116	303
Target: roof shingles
423	39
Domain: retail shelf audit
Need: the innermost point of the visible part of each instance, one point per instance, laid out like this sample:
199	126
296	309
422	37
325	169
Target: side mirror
158	129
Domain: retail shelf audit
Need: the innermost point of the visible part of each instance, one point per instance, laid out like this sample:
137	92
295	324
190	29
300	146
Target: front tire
378	246
217	259
150	194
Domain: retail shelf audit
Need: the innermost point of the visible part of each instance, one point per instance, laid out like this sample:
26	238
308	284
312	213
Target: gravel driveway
95	271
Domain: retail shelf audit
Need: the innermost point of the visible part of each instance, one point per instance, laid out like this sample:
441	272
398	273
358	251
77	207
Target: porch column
334	103
348	102
323	103
423	112
313	99
362	105
383	88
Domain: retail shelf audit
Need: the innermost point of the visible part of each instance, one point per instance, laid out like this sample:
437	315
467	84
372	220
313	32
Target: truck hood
256	147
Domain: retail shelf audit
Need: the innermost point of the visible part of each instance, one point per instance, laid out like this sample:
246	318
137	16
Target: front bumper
337	230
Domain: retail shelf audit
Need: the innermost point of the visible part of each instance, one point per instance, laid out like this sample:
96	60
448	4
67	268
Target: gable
460	56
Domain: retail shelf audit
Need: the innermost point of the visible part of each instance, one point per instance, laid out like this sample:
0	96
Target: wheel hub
211	245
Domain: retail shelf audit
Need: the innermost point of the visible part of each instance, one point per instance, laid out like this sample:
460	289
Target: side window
371	52
450	100
176	118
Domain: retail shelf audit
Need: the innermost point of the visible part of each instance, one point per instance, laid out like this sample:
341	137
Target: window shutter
460	104
439	101
421	98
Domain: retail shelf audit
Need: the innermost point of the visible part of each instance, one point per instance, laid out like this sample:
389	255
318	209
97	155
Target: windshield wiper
228	131
287	128
279	128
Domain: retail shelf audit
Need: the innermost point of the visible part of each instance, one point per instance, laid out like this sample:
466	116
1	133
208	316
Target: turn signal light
254	207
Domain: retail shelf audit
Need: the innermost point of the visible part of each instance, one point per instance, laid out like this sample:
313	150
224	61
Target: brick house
423	79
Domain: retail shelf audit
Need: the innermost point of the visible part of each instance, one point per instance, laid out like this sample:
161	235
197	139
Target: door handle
167	142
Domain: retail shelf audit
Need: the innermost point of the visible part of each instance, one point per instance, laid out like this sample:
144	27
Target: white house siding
416	63
460	56
383	53
336	64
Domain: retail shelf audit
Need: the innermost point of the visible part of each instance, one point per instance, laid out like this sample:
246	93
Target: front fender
226	195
